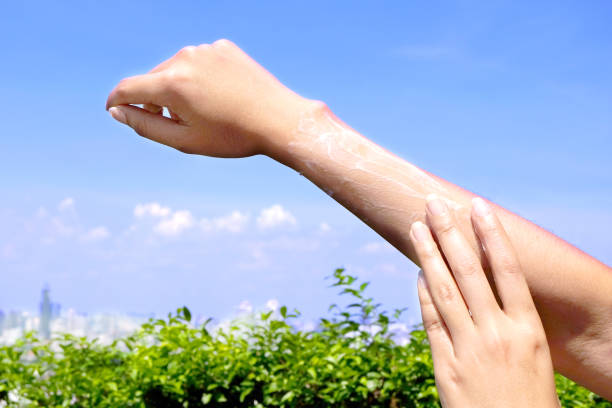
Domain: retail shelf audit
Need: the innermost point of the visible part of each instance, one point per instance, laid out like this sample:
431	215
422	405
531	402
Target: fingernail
118	115
435	205
481	208
419	230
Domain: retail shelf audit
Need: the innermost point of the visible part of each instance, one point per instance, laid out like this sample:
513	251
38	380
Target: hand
483	355
222	103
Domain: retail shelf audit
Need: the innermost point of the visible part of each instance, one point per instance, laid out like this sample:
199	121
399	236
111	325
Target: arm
224	104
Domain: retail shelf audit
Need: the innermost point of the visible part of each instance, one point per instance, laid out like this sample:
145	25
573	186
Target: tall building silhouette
46	310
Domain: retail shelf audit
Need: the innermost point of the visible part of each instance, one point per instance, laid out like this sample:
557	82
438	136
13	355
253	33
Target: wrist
287	129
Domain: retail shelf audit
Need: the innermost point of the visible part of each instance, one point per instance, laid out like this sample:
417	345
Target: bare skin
224	104
474	341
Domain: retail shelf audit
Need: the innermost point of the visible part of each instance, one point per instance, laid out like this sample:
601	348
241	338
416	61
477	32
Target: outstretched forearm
223	104
571	289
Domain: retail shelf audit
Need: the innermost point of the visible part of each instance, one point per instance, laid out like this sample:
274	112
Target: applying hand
483	355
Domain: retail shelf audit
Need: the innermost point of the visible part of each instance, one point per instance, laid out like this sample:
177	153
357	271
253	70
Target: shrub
350	360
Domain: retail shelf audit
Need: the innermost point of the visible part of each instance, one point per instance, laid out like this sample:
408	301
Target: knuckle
488	226
187	51
433	326
509	264
444	226
540	344
496	342
469	267
223	43
451	375
176	79
533	338
530	329
492	233
426	251
446	293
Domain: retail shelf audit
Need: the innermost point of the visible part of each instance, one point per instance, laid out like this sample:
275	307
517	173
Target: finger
164	65
155	127
445	293
172	60
140	89
155	109
463	261
507	272
437	332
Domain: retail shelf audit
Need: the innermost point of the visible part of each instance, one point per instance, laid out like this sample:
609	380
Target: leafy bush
350	360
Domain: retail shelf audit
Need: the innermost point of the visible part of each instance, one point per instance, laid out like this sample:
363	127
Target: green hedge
264	363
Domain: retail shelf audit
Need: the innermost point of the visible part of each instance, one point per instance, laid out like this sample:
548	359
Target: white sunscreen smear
358	157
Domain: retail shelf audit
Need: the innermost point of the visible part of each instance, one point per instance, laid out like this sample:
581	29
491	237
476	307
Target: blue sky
512	100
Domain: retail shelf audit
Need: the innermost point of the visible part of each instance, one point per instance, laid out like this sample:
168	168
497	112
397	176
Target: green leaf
206	398
244	393
288	396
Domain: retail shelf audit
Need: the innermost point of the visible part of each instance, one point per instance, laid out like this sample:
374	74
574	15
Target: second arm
570	288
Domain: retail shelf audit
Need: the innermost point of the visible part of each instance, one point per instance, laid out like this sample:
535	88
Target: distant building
1	322
46	312
13	320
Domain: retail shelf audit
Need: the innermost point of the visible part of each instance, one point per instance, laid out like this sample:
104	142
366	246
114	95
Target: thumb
153	126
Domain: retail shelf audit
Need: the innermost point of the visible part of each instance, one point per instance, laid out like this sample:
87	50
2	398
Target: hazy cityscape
52	319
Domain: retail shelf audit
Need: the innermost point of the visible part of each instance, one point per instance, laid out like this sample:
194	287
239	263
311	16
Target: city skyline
51	322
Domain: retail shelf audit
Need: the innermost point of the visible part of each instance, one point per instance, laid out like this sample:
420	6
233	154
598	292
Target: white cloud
174	225
376	247
175	222
151	209
324	227
96	234
234	222
66	204
275	216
